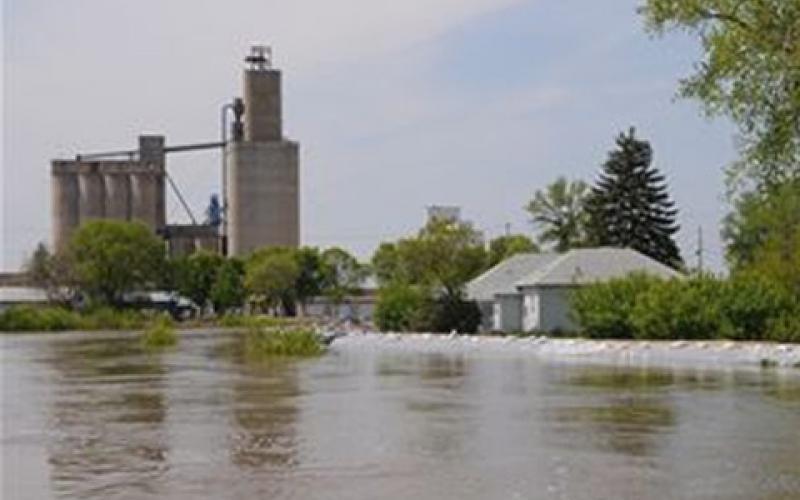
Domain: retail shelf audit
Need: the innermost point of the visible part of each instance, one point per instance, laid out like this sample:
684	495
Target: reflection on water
265	411
107	416
96	417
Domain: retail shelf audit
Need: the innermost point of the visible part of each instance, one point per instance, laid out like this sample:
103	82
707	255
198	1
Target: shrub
238	320
449	313
291	342
160	333
689	309
402	307
603	310
750	304
50	319
29	319
785	328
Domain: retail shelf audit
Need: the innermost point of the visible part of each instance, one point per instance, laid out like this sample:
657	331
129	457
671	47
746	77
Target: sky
396	105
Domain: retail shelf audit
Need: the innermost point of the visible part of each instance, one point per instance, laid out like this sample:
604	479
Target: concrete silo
262	184
118	194
65	196
92	200
88	188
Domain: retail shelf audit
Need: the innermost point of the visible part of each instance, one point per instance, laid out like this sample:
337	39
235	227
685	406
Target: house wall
547	309
529	310
487	315
508	313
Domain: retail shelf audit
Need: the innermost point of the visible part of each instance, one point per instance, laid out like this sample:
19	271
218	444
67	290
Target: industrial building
259	176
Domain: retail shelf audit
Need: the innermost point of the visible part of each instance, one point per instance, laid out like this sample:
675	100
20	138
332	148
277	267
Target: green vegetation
282	342
196	275
504	247
703	307
629	205
750	73
423	278
50	319
270	277
110	258
160	333
558	213
402	307
228	291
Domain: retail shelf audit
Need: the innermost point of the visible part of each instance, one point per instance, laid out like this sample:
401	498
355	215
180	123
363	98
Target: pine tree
629	206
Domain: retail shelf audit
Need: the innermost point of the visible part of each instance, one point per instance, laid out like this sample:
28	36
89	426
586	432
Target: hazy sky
396	105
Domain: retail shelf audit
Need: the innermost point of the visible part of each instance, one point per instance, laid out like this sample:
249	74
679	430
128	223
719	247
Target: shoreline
679	353
664	353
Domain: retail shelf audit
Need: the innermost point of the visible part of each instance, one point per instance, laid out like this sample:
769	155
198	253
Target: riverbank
628	352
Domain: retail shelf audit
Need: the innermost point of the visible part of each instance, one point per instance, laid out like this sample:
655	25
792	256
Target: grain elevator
259	173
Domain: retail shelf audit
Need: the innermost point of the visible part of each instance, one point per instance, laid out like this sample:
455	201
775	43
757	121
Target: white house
500	281
533	294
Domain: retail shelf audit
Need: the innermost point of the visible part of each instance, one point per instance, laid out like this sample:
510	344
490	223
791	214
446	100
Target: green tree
111	258
270	278
629	206
763	235
52	272
504	247
228	290
438	262
387	264
343	275
444	256
558	213
196	274
750	72
311	276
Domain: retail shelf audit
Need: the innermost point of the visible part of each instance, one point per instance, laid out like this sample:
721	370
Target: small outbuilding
532	292
496	288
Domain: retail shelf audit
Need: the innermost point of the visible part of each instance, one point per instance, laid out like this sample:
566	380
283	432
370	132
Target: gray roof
589	265
501	278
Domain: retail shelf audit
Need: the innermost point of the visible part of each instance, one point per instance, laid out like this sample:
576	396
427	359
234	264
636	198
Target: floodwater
94	416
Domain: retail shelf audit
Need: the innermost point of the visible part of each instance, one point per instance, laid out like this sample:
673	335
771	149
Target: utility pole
508	229
700	249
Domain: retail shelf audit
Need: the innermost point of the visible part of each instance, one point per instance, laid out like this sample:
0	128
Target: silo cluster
110	189
260	170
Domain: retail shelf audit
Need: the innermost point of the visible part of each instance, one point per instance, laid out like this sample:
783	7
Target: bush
50	319
703	307
238	321
160	333
29	319
450	313
402	307
785	328
603	310
291	342
753	307
689	309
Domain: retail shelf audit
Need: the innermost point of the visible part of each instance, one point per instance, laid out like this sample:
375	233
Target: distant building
444	213
530	292
260	172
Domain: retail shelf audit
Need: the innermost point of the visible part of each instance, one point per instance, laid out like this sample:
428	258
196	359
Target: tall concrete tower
262	180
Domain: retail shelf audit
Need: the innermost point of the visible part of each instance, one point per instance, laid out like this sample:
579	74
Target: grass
160	333
282	342
52	319
238	321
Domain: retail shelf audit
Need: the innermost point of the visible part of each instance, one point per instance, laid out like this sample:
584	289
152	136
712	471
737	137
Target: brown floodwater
95	416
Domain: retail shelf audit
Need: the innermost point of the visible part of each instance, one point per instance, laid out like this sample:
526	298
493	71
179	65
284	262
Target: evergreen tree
629	206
